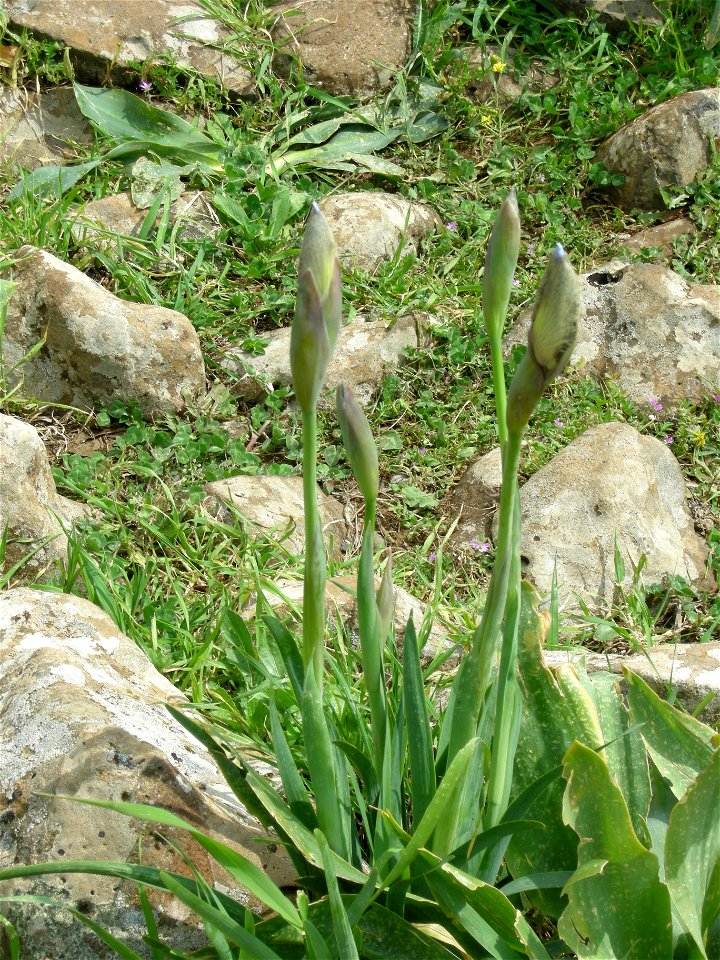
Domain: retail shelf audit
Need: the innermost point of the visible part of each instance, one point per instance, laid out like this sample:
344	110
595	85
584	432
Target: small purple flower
669	439
422	451
715	397
531	250
541	178
452	225
479	545
655	404
145	86
516	282
431	556
558	422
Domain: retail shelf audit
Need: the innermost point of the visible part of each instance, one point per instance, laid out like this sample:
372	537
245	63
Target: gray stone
274	506
615	14
370	227
691	670
669	144
35	516
662	236
344	46
365	351
106	36
97	348
82	714
612	482
41	128
473	501
505	86
101	221
657	335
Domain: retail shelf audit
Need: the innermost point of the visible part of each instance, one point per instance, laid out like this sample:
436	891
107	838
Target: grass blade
422	765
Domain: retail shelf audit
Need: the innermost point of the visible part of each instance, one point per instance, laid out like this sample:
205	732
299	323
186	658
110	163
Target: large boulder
33	516
40	128
647	327
473	502
108	38
668	145
97	348
365	351
350	47
82	714
370	227
610	485
102	222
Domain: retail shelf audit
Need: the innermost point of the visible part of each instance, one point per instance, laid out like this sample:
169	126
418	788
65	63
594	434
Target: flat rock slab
615	14
97	347
285	595
101	221
504	81
473	502
350	47
365	351
610	482
275	509
82	714
691	670
107	36
669	144
649	329
662	236
41	129
370	227
32	512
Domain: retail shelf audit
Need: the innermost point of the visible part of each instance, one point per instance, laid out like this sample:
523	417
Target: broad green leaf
51	181
618	907
295	791
678	744
291	657
234	932
692	853
238	866
341	925
11	937
122	116
351	139
379	165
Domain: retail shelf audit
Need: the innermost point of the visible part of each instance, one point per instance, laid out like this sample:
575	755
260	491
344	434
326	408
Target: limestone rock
344	46
97	348
275	504
107	36
340	599
82	714
38	129
31	509
669	144
692	670
474	500
509	84
614	14
611	481
364	352
649	329
101	220
662	235
370	226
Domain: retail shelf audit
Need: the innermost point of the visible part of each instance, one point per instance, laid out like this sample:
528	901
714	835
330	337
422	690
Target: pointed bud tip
315	207
559	252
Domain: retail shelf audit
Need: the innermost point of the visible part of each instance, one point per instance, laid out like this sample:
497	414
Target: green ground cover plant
174	578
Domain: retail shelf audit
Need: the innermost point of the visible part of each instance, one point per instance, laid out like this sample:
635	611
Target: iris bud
359	443
500	262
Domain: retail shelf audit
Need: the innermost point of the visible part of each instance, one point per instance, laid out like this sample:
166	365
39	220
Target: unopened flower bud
359	443
385	600
500	262
551	339
319	257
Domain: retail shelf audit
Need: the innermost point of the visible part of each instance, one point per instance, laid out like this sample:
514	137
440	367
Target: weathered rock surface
274	505
611	481
662	236
38	129
364	352
669	144
106	36
101	220
345	46
649	329
81	714
474	500
34	513
691	669
340	599
615	14
508	84
97	348
370	226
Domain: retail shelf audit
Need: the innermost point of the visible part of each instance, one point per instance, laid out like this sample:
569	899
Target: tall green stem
371	642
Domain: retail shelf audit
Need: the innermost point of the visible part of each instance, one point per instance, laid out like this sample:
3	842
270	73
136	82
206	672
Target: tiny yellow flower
699	438
498	66
486	119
